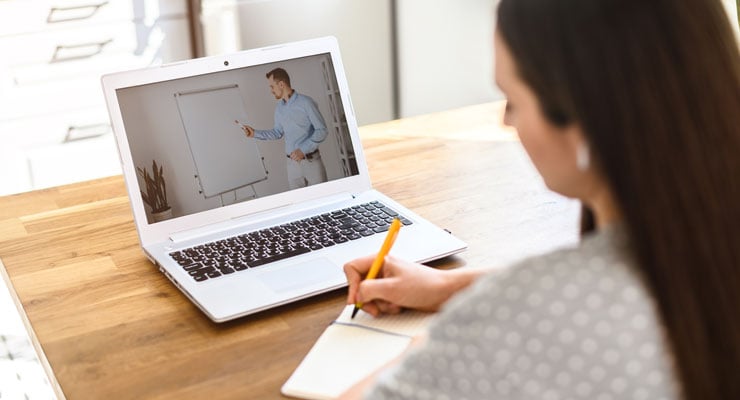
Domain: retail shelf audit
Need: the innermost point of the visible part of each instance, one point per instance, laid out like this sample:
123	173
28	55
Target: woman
632	107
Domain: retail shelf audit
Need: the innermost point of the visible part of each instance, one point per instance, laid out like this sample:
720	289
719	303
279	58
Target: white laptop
231	234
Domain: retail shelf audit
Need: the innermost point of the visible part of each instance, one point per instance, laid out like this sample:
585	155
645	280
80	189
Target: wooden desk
111	326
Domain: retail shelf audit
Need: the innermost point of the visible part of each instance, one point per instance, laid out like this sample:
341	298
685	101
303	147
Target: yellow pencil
378	263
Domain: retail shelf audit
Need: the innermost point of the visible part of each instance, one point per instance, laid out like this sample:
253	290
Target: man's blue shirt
300	121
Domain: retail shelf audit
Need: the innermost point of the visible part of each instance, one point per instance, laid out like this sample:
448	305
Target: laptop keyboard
251	250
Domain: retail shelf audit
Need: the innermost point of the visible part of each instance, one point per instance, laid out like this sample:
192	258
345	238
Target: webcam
226	63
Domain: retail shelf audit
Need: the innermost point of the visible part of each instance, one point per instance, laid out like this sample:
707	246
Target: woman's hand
402	284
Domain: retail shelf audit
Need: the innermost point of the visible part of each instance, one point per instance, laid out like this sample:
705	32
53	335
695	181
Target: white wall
445	50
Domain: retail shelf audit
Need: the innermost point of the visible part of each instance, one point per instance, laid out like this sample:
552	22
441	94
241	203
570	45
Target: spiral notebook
350	349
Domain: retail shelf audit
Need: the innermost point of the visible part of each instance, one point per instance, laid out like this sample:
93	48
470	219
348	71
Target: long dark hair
655	85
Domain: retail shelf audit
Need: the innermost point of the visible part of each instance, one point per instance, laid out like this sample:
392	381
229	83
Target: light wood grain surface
112	327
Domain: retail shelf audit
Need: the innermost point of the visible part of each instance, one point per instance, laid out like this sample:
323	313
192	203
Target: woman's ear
578	146
583	157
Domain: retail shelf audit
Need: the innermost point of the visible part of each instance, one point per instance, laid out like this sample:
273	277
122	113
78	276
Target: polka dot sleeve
573	324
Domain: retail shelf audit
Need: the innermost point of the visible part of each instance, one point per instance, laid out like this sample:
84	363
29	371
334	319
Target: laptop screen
212	140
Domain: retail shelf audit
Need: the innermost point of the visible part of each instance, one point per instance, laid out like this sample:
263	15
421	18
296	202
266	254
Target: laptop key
240	266
381	228
192	267
226	270
288	254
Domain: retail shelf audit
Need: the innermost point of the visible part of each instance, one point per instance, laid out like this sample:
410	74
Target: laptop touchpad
302	275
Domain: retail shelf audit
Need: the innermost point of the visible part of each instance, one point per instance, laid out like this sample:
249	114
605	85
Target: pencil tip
354	312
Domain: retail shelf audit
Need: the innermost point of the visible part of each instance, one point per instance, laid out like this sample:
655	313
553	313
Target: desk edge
32	335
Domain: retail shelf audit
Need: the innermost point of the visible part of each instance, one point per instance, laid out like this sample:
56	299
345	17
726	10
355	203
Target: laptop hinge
260	217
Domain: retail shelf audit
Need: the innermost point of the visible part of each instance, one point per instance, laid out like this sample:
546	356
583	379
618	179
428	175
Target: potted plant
156	192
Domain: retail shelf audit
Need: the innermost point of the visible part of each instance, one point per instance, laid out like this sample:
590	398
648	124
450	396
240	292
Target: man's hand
248	130
296	155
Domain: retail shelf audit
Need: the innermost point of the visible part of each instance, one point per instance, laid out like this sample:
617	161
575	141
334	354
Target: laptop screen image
211	140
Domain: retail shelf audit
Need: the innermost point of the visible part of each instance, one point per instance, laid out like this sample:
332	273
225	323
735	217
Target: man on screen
297	118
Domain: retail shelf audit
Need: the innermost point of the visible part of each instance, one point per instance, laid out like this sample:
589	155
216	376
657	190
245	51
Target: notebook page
349	350
341	357
407	323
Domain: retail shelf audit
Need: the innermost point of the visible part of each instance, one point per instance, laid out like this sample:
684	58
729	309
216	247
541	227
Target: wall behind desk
445	54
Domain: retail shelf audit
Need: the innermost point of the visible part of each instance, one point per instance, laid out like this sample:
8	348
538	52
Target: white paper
351	349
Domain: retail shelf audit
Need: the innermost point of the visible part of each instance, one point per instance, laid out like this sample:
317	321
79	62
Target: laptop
232	220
